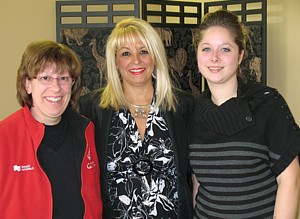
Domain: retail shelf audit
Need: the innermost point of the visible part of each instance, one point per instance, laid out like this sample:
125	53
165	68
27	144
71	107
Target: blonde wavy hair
126	31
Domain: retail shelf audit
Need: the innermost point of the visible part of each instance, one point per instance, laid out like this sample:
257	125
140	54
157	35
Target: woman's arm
287	198
195	188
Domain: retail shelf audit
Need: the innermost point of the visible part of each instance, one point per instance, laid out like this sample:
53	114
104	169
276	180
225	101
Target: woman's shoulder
256	89
184	100
13	119
93	96
183	95
90	102
270	99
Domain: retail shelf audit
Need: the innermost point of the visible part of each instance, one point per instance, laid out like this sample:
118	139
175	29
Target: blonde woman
141	128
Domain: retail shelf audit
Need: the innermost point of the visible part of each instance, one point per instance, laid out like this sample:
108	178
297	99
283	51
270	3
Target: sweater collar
229	118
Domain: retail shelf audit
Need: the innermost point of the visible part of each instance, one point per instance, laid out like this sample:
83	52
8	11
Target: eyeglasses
47	80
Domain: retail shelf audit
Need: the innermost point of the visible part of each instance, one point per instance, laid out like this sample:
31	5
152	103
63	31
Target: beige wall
283	50
21	22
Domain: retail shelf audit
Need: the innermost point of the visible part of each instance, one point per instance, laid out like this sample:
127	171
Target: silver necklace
140	111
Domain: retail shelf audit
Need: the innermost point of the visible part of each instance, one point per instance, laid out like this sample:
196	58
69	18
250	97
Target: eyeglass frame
51	79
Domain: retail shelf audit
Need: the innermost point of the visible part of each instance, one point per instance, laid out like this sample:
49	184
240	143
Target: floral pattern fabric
142	179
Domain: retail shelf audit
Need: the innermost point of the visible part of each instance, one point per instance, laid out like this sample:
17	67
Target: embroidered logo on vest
90	163
20	168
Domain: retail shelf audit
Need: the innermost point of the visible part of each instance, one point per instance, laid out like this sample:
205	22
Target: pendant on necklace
140	112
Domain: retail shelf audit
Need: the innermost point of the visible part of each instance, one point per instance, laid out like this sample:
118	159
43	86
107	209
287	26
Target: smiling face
135	65
218	56
49	101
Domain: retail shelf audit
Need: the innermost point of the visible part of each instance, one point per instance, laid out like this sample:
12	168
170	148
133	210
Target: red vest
25	191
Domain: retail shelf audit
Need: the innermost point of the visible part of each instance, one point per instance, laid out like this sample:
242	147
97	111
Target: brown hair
228	20
40	55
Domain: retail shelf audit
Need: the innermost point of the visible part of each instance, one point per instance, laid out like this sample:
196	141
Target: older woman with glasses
49	165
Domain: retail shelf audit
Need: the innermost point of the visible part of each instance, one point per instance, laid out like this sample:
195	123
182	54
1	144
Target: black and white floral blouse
142	179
